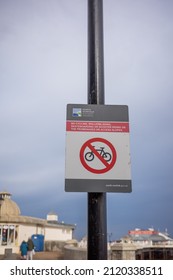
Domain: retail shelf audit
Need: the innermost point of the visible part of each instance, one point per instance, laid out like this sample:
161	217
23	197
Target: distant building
143	244
14	228
149	236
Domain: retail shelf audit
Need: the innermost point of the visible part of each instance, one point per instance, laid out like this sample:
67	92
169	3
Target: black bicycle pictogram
89	156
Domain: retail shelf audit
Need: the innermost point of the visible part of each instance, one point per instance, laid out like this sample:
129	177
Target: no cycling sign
107	159
97	149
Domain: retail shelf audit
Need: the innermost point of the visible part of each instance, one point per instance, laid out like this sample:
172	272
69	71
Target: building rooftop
7	206
10	213
148	235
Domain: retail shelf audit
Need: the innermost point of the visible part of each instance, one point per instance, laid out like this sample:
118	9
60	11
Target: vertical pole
97	222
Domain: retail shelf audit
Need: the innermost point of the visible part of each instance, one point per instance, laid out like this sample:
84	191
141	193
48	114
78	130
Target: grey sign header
91	112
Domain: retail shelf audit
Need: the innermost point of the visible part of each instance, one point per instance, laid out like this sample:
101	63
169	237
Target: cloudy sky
43	67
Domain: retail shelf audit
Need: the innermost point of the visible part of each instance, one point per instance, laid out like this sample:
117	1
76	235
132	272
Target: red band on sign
108	159
85	126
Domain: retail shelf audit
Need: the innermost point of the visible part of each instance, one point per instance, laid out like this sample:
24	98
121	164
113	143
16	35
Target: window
7	235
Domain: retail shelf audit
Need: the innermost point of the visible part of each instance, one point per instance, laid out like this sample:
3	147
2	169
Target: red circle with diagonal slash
108	166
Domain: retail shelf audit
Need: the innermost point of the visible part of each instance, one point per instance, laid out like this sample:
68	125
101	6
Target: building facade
143	244
14	228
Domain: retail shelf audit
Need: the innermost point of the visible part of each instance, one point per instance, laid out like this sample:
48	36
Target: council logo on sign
77	112
98	155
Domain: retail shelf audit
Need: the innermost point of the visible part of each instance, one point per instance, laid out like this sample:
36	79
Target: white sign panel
97	149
